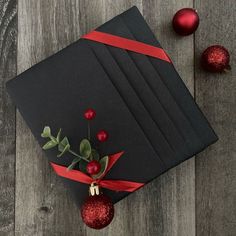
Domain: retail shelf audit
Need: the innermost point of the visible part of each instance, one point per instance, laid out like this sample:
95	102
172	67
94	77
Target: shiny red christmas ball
215	58
89	114
97	211
93	167
185	21
102	136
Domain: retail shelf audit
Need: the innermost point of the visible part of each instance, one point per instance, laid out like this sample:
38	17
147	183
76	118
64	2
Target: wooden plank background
197	197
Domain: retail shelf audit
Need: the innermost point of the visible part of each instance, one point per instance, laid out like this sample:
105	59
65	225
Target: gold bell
93	189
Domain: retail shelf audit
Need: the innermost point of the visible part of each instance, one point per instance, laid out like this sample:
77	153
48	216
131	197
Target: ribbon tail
120	185
112	160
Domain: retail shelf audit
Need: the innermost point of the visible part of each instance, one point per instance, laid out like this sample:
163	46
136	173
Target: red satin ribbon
115	185
128	44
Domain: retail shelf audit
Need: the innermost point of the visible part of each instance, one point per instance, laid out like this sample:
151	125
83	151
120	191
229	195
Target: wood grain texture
216	95
8	38
43	205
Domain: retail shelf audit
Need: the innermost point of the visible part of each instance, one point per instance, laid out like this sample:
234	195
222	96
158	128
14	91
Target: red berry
89	114
93	167
102	136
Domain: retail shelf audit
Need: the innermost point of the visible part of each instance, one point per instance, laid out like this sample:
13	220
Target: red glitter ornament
102	136
98	210
89	114
185	21
215	59
93	167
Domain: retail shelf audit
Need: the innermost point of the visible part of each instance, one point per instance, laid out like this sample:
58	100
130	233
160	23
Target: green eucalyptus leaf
85	148
58	135
104	163
82	166
73	163
66	148
54	139
64	142
94	155
46	132
50	144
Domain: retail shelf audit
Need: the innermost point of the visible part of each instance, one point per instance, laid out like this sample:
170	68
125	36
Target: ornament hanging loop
94	189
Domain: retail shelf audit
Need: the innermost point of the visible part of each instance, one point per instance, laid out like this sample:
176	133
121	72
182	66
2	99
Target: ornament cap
94	189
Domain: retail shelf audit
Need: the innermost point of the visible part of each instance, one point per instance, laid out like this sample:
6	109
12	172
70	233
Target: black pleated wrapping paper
141	101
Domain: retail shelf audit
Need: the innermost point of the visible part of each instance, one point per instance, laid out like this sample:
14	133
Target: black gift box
141	101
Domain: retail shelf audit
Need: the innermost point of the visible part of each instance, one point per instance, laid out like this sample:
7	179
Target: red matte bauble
102	136
215	58
93	167
185	21
97	211
89	114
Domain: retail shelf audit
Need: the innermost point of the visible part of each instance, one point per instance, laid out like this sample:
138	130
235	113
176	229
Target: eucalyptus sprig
87	153
88	158
64	145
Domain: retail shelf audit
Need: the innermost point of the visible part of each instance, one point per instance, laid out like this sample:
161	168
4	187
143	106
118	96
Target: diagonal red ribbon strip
115	185
128	44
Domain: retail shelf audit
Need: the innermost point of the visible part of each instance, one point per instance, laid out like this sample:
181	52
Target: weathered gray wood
8	38
43	204
215	93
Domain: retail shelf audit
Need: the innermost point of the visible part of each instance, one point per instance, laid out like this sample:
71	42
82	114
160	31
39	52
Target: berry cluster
94	167
88	158
90	114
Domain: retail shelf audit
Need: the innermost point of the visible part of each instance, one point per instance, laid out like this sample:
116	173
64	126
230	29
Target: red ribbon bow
115	185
